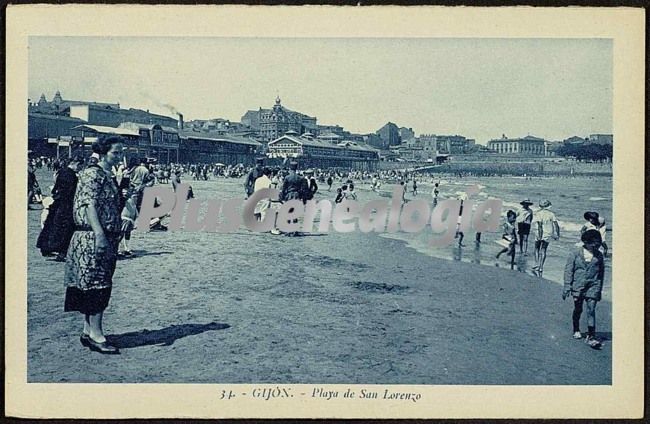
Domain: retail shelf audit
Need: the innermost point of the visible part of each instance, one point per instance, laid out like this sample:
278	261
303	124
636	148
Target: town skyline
479	88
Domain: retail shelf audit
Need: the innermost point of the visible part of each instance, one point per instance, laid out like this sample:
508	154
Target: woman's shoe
84	339
577	335
103	347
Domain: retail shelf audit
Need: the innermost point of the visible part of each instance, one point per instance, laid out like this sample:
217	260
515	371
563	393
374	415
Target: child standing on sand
129	215
583	279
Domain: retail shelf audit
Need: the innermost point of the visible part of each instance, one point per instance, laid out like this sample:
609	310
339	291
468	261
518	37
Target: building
42	126
575	140
527	146
552	147
375	141
447	144
87	134
60	106
108	116
331	138
220	125
389	134
601	139
406	134
98	113
45	129
156	141
278	120
252	119
333	129
213	147
429	144
454	144
312	152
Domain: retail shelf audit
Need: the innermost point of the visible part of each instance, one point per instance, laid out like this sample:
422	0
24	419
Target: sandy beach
194	307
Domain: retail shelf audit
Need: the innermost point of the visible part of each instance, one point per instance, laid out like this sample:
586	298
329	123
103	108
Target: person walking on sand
350	194
459	234
329	182
59	225
339	195
583	279
524	219
415	187
435	193
311	181
252	176
294	187
32	185
92	255
509	238
546	227
141	178
262	182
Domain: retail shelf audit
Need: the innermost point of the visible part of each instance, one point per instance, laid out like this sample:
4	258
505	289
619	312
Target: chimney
180	121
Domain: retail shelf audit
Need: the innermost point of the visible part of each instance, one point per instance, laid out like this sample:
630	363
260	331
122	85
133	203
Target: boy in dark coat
583	279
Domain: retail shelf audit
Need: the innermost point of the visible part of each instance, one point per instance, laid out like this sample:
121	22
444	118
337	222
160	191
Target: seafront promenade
245	307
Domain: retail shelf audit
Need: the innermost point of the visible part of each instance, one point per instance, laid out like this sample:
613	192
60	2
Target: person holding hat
583	279
524	219
545	227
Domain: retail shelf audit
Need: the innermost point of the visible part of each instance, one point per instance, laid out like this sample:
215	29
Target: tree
586	152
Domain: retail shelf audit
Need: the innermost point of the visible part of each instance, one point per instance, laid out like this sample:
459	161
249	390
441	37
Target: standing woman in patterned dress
92	255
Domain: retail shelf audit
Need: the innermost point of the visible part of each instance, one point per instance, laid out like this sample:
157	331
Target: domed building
278	120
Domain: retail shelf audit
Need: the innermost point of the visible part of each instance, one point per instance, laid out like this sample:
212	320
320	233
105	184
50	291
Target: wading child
509	238
583	279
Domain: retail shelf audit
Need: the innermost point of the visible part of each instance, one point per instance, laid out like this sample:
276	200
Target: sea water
571	197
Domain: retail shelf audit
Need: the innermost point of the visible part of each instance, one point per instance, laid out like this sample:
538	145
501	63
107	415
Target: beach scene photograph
441	211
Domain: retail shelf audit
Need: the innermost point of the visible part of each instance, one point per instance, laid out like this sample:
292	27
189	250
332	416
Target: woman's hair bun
103	144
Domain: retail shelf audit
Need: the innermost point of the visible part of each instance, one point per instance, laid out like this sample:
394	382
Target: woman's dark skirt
88	302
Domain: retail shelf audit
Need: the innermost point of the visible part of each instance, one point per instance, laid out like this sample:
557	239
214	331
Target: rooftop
320	143
108	130
216	136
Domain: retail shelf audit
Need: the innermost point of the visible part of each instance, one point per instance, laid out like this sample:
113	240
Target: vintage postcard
324	212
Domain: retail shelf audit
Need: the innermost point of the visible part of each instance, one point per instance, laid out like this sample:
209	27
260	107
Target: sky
476	87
